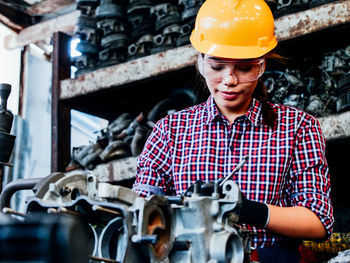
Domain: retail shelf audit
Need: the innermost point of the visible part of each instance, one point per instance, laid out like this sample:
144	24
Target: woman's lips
229	95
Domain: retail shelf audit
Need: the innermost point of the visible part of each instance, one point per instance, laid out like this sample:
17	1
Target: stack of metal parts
87	32
336	67
291	88
7	140
188	10
113	25
127	134
115	225
167	25
323	93
142	28
285	7
123	137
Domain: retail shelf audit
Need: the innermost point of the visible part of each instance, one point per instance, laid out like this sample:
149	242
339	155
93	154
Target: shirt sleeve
154	164
310	179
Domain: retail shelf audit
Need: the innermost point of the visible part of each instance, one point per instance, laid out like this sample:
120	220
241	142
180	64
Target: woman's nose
230	79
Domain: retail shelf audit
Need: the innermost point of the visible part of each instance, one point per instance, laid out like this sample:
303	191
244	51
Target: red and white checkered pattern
286	165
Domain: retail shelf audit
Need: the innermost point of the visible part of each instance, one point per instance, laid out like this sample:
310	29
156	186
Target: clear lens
243	71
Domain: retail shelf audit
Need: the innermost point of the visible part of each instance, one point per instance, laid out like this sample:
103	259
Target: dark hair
268	113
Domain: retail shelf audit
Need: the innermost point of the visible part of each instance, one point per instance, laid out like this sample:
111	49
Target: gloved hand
248	212
252	212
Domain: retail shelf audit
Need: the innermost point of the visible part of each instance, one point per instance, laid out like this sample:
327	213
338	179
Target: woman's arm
296	222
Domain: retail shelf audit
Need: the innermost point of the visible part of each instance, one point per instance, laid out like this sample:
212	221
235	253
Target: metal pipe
13	187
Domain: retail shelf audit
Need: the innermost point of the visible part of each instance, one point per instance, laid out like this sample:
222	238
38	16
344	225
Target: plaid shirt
286	165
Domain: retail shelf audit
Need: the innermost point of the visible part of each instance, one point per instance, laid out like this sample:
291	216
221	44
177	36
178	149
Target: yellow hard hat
234	29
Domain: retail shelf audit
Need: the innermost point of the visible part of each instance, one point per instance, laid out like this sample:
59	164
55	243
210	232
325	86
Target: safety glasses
243	71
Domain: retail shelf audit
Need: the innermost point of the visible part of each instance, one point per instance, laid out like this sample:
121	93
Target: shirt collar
253	114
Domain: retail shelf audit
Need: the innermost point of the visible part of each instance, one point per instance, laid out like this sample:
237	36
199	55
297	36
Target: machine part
120	124
88	156
226	247
189	9
185	31
336	63
106	190
111	56
142	132
84	63
7	141
123	227
44	238
110	26
6	117
177	100
294	100
166	40
87	47
343	100
112	242
316	105
11	188
141	23
111	9
87	7
141	48
166	14
137	5
115	41
115	150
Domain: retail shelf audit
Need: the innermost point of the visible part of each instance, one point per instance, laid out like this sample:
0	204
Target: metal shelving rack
66	92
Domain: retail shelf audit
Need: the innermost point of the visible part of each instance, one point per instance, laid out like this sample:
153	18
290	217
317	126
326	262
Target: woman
286	179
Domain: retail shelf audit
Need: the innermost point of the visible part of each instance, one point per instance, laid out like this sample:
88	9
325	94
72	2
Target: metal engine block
123	227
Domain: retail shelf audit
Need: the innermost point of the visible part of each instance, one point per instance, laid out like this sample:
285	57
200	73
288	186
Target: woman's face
231	82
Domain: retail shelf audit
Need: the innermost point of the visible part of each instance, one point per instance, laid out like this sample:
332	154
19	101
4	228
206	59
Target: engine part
166	40
343	100
7	141
86	31
126	228
87	7
6	117
140	19
166	14
112	23
83	63
111	9
142	25
111	56
109	26
188	10
141	48
336	63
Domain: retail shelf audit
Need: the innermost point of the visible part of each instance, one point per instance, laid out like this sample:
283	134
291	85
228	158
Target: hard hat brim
226	51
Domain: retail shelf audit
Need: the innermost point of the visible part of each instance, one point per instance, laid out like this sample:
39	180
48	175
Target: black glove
252	212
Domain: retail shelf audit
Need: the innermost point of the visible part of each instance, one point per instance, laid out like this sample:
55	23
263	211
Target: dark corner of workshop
84	85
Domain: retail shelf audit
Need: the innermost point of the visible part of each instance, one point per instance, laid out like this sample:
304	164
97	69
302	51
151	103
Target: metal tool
239	166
